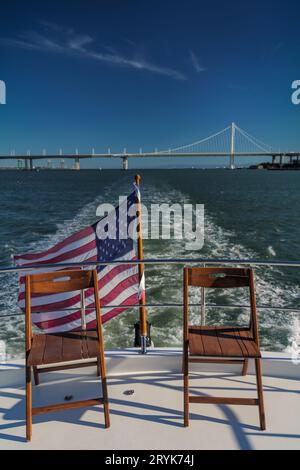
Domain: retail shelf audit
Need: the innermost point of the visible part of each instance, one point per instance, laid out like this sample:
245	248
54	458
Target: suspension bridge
230	142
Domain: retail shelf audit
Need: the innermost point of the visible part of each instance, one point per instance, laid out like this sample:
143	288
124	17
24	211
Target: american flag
119	285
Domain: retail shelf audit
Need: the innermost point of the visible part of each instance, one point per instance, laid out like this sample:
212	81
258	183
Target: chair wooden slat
228	342
63	347
249	343
221	342
92	344
72	346
239	339
196	346
53	349
36	355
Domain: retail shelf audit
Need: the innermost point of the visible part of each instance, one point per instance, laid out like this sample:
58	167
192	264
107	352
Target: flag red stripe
69	254
76	315
113	313
73	238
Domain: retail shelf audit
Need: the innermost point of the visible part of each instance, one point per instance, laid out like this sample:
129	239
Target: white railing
180	262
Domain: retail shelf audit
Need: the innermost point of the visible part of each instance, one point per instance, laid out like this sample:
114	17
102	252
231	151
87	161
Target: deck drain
128	392
69	397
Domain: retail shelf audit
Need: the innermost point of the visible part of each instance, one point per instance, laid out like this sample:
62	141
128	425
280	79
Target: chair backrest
219	277
224	278
60	281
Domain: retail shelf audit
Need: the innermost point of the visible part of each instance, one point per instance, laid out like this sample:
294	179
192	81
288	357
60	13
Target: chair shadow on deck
130	408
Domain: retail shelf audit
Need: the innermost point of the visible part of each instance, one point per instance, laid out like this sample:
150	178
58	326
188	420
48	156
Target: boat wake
164	282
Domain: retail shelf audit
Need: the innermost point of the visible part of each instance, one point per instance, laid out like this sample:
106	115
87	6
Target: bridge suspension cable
256	142
222	142
189	147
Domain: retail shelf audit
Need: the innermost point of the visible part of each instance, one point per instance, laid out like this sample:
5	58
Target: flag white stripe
65	249
69	326
40	317
89	317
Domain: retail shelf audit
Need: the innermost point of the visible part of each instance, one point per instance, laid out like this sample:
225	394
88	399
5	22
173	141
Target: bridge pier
125	163
28	163
232	146
77	164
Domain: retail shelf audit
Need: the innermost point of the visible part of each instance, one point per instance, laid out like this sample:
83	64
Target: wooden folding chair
54	348
221	344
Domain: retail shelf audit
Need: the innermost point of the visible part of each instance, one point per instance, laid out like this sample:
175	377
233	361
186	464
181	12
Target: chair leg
101	364
98	367
28	404
36	375
185	388
105	403
245	367
260	394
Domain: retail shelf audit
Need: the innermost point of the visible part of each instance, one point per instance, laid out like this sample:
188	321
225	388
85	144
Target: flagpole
142	299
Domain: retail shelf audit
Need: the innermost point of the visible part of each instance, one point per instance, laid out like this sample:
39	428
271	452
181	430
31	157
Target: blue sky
150	74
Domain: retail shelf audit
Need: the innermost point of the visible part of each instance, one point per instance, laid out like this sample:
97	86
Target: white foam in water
277	327
271	251
164	282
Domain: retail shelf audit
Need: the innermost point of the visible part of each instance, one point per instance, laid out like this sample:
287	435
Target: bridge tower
232	145
77	161
125	160
125	163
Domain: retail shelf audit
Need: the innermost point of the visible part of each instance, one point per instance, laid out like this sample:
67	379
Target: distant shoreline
69	170
43	170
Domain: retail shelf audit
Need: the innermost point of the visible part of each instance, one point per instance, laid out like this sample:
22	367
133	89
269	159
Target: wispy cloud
196	62
58	39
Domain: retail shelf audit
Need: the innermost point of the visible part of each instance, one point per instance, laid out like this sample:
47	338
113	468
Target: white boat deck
151	416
